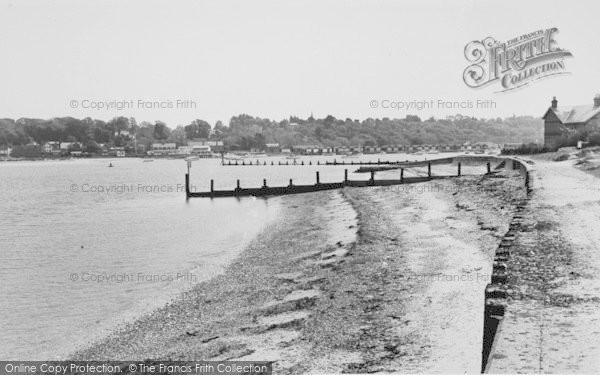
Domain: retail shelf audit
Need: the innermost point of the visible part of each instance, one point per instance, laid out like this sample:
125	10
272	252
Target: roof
575	115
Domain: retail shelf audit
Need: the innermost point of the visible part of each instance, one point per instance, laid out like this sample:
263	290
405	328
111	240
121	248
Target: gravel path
553	317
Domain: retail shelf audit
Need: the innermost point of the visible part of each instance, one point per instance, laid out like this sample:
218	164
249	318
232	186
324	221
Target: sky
273	59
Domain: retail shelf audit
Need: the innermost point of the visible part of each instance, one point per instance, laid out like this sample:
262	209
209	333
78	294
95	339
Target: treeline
245	132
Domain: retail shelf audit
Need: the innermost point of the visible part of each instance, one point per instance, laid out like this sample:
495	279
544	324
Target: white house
51	146
164	146
184	150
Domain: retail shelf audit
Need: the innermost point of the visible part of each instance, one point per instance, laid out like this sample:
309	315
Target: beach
355	280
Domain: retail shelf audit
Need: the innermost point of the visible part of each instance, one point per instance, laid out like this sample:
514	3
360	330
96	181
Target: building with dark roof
559	122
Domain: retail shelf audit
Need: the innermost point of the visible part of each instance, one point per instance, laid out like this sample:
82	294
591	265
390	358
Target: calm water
85	248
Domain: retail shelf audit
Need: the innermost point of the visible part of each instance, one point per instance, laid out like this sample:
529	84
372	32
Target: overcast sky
277	58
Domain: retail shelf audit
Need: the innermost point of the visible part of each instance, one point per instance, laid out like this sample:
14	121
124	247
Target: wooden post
212	186
489	167
429	169
238	185
287	163
264	183
334	162
187	185
222	158
318	180
378	161
401	174
291	184
459	172
318	162
271	162
372	177
345	176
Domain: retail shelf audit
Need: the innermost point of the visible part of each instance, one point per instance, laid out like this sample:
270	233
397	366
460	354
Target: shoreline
314	298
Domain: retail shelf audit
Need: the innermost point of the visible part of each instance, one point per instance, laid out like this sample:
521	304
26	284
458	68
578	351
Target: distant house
184	150
163	149
66	145
214	146
560	122
51	148
5	151
201	151
272	148
305	149
164	146
117	151
123	133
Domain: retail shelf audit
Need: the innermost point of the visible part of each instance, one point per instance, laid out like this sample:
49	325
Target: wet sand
357	280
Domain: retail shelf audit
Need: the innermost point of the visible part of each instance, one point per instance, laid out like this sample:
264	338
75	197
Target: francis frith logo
514	63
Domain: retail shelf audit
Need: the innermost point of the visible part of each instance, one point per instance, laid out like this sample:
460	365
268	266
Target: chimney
597	101
554	103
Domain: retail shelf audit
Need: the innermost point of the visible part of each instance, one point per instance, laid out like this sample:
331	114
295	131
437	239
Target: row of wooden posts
334	162
291	188
489	169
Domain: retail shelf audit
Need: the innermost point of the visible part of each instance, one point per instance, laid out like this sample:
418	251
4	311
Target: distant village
217	149
247	136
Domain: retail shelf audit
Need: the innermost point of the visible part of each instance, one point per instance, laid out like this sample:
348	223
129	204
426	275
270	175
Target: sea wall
496	292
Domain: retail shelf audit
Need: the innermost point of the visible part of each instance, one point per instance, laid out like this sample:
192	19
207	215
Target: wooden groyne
247	163
378	162
266	190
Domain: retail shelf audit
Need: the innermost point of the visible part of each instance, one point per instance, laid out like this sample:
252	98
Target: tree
197	129
92	148
259	141
413	118
161	131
